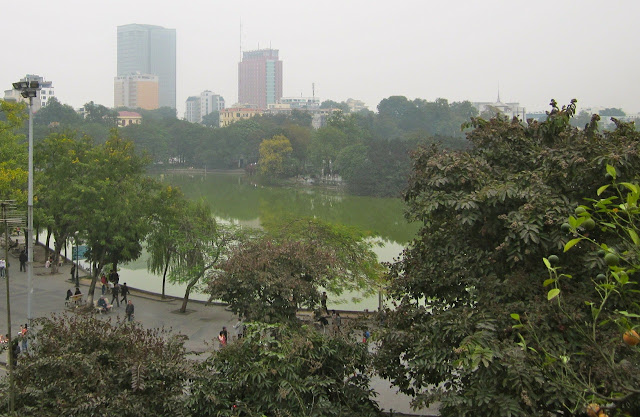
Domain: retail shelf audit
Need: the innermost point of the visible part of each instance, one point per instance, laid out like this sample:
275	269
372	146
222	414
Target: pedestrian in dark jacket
129	311
23	261
124	290
115	291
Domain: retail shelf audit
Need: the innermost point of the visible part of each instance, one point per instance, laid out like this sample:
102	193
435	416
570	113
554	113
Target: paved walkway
201	324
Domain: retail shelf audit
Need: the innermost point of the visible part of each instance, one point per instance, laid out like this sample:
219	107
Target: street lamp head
29	93
21	85
34	84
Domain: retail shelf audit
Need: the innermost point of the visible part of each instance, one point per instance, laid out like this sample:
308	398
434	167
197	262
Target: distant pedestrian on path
23	336
124	290
336	321
103	280
3	266
323	302
23	261
222	339
129	310
115	291
73	272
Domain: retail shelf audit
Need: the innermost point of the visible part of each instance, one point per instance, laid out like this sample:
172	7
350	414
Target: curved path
201	324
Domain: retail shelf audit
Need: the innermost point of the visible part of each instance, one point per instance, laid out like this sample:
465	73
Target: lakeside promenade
201	324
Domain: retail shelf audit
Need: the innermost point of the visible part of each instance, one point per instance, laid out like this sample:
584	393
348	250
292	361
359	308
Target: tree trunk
185	300
46	246
164	277
92	286
57	247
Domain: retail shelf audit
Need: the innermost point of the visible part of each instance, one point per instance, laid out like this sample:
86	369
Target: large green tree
170	210
269	277
274	156
82	366
56	113
115	209
489	215
277	370
199	244
593	352
61	162
13	153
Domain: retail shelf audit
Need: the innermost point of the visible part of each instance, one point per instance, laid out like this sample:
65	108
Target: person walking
23	261
124	290
3	266
103	280
23	336
115	291
129	310
73	272
323	302
336	321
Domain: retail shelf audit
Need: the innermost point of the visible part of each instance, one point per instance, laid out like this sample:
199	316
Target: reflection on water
232	197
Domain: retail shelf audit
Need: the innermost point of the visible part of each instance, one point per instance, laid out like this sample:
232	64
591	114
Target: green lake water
234	198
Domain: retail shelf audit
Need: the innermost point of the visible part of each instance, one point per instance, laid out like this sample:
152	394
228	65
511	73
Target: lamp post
77	259
29	89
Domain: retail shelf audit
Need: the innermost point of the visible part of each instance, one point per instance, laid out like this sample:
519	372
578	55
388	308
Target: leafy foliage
387	136
61	160
170	207
269	277
198	245
274	155
13	153
489	214
83	366
279	371
114	209
596	366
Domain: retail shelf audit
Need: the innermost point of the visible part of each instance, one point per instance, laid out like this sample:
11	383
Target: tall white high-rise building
148	49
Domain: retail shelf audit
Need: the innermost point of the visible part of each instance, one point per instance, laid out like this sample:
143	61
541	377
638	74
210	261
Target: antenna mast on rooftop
240	39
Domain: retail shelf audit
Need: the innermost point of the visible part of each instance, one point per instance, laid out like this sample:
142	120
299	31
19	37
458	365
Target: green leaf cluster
489	214
276	370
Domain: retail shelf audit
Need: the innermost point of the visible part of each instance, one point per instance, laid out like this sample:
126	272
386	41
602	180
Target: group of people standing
18	344
117	291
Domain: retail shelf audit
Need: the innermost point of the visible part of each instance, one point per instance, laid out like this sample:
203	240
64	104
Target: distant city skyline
457	50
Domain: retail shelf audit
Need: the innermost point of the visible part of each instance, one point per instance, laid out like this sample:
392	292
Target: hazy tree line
370	151
99	192
517	297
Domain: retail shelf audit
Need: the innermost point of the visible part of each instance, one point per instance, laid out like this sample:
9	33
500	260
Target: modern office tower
136	90
260	78
197	107
148	49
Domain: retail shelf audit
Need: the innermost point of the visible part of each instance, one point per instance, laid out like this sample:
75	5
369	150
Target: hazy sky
367	50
